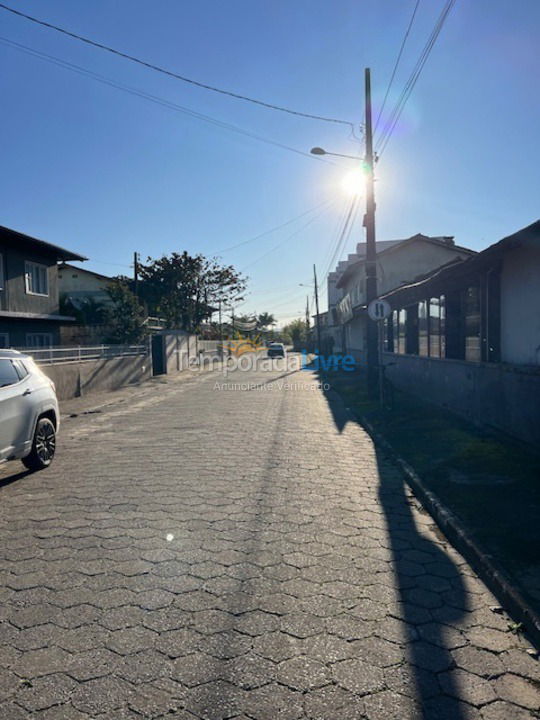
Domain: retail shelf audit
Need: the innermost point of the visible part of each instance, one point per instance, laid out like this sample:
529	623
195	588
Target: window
401	331
436	327
423	338
20	367
38	340
37	279
2	280
4	340
8	374
443	325
388	344
471	312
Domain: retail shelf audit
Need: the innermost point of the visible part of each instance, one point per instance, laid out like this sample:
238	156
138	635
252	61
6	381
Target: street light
322	151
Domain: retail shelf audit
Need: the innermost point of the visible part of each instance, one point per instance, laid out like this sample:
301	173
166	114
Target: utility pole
136	273
307	312
220	330
371	250
317	310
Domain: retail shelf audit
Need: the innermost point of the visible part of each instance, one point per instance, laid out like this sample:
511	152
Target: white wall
520	305
402	265
334	294
78	283
405	263
355	337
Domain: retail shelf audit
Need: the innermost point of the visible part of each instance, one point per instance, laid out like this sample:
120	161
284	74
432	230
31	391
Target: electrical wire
293	300
413	78
289	237
337	234
170	73
396	64
152	98
344	235
274	229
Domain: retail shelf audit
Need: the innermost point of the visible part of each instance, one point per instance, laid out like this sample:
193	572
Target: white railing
209	346
82	353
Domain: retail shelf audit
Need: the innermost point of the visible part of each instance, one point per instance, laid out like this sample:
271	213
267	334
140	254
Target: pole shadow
431	596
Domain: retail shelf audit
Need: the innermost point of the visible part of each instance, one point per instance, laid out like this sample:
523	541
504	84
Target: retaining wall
504	397
73	379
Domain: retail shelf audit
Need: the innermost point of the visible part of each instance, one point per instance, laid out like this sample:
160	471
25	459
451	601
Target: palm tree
265	320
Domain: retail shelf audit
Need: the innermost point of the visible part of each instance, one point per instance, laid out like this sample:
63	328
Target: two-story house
29	299
398	262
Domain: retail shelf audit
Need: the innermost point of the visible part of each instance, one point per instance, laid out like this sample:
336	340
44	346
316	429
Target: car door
15	409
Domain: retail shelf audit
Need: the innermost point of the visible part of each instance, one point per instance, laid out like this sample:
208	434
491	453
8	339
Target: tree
186	289
87	311
265	320
295	333
126	317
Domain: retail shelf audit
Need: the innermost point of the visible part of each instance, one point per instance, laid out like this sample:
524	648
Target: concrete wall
355	338
504	397
74	379
520	305
180	349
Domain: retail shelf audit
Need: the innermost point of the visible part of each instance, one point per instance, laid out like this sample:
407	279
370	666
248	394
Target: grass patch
490	482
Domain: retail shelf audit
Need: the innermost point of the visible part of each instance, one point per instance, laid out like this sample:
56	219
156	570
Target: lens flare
353	182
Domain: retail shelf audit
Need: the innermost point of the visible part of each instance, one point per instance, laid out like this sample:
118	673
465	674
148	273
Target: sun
353	182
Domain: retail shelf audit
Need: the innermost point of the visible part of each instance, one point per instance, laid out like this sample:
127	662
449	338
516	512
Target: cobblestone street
199	550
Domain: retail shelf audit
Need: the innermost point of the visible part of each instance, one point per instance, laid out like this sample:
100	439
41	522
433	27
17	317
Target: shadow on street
430	591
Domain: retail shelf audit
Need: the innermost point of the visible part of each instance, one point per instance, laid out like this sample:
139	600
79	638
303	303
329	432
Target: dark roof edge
84	270
61	253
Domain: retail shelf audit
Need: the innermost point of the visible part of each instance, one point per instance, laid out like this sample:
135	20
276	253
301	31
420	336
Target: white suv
29	417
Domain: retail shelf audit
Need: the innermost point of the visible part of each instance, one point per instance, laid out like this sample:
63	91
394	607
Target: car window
20	368
8	374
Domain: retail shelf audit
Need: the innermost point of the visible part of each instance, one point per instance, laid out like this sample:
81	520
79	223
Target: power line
413	78
274	229
400	53
152	98
172	74
333	244
344	235
292	301
289	237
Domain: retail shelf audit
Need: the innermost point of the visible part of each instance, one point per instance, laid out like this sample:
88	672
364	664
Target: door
16	412
158	355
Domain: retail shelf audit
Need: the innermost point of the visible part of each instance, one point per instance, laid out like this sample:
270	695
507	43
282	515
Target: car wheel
43	446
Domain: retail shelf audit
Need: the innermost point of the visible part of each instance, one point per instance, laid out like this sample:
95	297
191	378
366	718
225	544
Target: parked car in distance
29	416
276	350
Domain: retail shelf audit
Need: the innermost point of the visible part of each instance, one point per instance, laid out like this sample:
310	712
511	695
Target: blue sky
105	173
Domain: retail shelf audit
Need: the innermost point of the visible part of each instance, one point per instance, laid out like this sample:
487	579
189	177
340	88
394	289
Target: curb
487	568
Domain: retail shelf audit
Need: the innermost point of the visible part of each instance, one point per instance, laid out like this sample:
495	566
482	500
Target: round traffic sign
379	309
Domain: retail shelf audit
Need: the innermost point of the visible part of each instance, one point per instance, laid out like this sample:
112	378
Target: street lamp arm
322	151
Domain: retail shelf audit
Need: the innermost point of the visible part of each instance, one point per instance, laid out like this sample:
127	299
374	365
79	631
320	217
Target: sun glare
353	182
